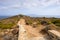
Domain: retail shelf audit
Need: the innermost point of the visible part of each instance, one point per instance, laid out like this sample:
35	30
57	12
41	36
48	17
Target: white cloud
49	7
40	3
34	4
11	6
30	4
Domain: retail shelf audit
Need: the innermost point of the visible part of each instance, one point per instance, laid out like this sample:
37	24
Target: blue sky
37	7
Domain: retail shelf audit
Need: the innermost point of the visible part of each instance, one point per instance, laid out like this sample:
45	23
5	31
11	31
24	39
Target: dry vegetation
12	21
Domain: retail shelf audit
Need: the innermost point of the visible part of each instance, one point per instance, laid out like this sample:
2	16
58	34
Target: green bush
56	22
6	26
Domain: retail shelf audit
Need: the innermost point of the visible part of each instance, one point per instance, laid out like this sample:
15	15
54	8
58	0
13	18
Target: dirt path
27	32
30	33
33	31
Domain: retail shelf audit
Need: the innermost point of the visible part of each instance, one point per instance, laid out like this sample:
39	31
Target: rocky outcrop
54	34
9	34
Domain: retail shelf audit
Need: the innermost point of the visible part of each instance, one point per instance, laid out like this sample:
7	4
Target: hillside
9	27
12	21
9	22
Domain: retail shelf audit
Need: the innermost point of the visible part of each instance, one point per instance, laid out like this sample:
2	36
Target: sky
33	7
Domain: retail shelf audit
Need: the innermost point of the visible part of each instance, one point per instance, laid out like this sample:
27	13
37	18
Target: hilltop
9	26
12	21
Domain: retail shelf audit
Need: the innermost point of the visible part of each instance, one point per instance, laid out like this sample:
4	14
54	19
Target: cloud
6	4
11	6
29	4
40	3
41	7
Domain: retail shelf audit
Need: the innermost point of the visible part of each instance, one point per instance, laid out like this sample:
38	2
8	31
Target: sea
2	17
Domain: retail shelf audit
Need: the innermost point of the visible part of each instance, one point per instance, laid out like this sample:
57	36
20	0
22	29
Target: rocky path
26	32
24	36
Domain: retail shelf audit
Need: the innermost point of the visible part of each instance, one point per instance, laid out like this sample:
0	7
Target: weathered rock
8	37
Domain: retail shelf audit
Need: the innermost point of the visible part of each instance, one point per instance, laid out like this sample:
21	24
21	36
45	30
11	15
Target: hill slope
12	21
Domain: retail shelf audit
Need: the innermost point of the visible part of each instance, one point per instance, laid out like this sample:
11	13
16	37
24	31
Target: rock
7	37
